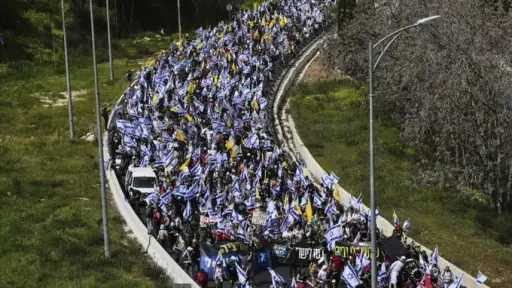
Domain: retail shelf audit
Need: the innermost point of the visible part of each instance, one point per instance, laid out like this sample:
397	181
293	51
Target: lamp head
427	19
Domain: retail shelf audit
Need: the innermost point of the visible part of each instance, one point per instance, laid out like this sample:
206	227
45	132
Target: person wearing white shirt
395	270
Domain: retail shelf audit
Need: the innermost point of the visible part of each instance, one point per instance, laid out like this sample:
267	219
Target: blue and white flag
382	278
251	202
286	223
333	234
457	283
331	209
435	256
480	278
361	262
422	262
350	276
242	235
188	211
192	191
294	283
277	280
152	198
220	198
271	228
318	200
330	180
252	141
294	213
299	175
242	275
165	198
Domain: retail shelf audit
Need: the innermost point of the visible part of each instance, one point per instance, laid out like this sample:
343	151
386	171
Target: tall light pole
109	43
179	19
371	68
100	141
68	81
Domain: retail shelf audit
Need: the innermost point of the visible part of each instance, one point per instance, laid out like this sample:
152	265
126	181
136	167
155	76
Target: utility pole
373	223
179	19
109	43
100	141
68	81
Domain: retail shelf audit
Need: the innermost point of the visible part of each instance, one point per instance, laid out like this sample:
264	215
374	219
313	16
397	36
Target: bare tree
449	87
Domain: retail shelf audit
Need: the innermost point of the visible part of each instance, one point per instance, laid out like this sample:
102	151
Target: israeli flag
361	262
299	175
188	211
330	209
166	197
277	280
330	180
318	200
242	235
480	278
251	202
382	278
435	256
242	275
422	262
456	284
286	223
293	212
333	234
152	198
350	276
219	198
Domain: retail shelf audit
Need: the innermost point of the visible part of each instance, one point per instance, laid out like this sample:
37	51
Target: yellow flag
184	166
255	105
180	135
234	152
155	99
230	143
189	118
282	22
309	211
337	195
396	220
258	192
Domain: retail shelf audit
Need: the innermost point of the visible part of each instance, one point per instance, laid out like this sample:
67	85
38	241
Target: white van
140	181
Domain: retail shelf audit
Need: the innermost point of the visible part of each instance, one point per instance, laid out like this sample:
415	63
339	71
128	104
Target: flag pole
100	142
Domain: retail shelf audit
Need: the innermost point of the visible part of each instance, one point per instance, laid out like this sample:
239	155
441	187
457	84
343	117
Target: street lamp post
371	68
111	74
100	142
68	81
179	19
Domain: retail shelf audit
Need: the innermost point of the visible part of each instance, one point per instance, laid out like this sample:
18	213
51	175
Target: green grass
332	120
250	4
49	188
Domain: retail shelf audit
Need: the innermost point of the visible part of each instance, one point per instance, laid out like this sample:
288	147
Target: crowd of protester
200	117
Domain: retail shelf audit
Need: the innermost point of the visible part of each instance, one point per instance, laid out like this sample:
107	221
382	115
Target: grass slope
50	211
332	120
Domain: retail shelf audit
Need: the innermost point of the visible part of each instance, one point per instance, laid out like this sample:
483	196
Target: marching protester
200	118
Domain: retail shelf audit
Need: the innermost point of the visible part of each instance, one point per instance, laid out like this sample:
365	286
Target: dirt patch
49	100
317	71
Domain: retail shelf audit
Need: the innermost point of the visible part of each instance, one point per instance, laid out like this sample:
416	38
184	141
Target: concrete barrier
292	144
178	277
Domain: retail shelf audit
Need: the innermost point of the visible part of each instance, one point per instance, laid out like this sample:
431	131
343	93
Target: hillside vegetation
447	85
332	119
